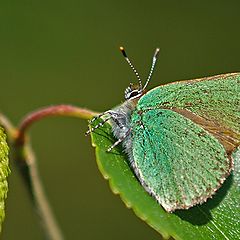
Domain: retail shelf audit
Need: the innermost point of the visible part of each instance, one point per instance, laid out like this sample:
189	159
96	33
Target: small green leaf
4	171
218	218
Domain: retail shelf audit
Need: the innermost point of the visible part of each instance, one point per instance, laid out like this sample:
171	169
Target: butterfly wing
176	160
183	136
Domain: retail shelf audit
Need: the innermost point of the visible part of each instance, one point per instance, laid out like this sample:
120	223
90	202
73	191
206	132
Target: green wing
187	132
177	161
215	99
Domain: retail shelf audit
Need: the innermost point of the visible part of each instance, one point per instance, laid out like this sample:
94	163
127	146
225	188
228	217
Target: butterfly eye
130	93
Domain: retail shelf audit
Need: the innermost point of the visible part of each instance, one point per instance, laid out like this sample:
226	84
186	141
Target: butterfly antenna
132	67
154	60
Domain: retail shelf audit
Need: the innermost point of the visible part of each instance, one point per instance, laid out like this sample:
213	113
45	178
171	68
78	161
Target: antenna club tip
123	52
156	52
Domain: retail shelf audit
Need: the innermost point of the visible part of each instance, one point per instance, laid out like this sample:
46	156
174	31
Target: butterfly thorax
121	122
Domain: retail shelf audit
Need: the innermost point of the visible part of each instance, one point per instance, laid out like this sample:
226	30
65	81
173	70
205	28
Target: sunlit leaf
4	171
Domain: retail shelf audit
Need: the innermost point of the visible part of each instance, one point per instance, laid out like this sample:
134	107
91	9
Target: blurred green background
54	52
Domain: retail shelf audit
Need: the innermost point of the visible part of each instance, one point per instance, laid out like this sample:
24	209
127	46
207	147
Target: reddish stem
58	110
26	161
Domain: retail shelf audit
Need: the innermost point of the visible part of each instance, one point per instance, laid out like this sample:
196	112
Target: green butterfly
179	137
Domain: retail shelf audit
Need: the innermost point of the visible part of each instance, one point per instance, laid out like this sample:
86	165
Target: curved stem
57	110
26	161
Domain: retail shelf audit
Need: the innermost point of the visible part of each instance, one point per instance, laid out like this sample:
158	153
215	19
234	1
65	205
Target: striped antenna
154	60
132	67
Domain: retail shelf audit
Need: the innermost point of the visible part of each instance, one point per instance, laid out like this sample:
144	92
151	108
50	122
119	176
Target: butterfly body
180	137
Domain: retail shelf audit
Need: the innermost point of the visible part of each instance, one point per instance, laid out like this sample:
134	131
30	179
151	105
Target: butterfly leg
98	116
116	117
119	140
98	125
112	116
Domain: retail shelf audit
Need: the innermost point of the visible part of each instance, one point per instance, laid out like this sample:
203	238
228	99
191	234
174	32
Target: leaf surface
218	218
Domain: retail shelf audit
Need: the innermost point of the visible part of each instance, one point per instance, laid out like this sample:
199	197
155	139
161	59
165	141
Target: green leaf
218	218
4	171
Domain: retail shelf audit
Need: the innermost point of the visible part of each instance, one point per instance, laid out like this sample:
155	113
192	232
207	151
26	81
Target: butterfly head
134	91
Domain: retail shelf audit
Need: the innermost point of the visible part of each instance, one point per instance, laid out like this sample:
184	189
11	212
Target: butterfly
179	137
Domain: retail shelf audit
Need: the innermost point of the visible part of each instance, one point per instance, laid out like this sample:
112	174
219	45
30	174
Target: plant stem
26	161
57	110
